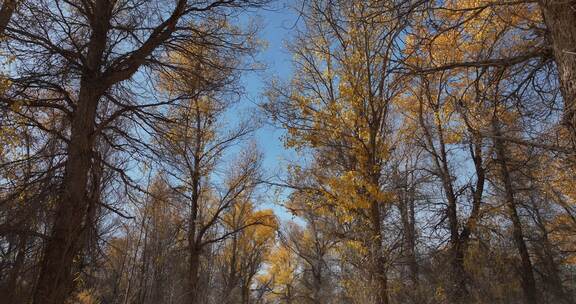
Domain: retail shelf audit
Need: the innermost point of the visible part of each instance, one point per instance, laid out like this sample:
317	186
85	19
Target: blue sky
276	30
277	24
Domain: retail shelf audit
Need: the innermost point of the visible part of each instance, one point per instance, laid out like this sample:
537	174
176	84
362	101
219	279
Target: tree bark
407	218
560	19
193	270
6	12
526	270
193	242
317	283
56	278
377	255
246	293
12	286
459	290
55	281
552	273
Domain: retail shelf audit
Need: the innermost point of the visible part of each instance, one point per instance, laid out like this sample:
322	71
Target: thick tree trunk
194	235
412	241
8	8
317	293
527	274
233	278
245	294
526	270
458	289
56	278
194	255
560	19
194	268
55	281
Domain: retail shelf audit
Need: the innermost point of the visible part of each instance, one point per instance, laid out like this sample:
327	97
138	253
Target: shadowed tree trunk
12	288
526	270
55	281
560	19
8	8
458	291
194	260
546	254
56	271
406	206
378	256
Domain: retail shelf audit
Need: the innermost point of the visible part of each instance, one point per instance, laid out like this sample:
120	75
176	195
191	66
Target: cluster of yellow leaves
9	140
9	137
352	190
258	230
563	233
472	28
353	247
281	272
86	297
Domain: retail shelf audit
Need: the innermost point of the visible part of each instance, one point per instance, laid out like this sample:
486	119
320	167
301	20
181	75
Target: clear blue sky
277	24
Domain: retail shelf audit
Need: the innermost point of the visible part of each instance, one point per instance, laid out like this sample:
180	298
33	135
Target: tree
339	106
433	154
549	24
246	251
98	48
195	141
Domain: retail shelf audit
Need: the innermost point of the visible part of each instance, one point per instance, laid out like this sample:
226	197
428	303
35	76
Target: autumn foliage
430	153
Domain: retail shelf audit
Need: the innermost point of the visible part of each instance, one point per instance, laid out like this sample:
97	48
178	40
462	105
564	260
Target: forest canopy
428	152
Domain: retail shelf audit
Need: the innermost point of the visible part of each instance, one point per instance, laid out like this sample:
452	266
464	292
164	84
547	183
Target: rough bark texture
552	270
378	257
560	19
8	8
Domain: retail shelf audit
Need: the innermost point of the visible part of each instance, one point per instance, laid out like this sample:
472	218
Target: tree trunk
12	287
317	282
458	290
193	240
194	268
246	293
6	12
194	236
56	278
377	255
526	271
55	281
232	280
552	273
194	258
406	206
560	19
